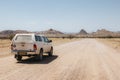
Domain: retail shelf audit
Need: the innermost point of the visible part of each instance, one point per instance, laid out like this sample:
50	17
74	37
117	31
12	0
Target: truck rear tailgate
24	46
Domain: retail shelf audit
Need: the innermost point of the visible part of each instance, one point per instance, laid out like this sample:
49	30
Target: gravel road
87	59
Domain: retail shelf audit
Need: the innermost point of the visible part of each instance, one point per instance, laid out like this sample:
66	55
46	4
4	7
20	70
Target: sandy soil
112	42
59	41
86	59
5	47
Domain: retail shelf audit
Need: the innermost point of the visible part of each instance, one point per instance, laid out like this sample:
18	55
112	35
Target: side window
16	37
45	39
38	38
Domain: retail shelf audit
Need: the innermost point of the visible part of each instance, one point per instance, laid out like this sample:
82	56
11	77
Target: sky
62	15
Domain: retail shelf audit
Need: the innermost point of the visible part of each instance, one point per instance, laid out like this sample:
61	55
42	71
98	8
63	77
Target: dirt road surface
87	59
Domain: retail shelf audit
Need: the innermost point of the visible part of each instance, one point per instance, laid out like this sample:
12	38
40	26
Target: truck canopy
23	38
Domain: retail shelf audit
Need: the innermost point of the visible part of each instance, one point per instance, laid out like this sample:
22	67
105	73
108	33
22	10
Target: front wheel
51	52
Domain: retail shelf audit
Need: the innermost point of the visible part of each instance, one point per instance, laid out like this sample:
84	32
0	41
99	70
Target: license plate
22	53
22	44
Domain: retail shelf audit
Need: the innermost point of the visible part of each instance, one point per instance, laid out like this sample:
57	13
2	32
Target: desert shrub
63	37
71	36
11	36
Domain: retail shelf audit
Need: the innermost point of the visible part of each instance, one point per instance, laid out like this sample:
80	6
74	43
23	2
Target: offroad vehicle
31	45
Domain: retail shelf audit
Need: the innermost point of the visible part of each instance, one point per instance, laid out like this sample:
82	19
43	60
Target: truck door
46	44
39	42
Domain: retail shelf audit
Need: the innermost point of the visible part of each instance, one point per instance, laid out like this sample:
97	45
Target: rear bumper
24	52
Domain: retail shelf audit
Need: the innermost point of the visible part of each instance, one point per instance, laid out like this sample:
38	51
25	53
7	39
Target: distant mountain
118	32
7	33
55	33
50	31
104	32
82	32
22	31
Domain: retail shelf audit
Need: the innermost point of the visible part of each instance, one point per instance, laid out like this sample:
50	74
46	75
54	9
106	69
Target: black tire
18	57
51	52
41	54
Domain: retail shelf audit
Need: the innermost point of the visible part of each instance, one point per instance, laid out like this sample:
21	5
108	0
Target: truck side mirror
50	40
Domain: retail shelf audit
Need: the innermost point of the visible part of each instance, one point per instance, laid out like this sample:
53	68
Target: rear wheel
51	52
41	54
18	57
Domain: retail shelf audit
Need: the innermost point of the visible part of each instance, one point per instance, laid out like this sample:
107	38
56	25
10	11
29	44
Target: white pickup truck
31	45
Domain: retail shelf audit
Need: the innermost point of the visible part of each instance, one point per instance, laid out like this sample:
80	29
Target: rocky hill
105	33
7	33
82	32
50	31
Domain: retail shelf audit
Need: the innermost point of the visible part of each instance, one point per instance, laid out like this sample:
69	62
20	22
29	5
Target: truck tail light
12	46
35	47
